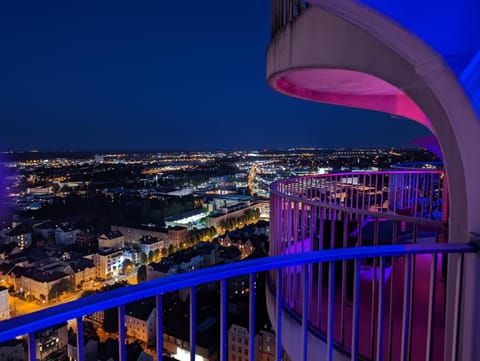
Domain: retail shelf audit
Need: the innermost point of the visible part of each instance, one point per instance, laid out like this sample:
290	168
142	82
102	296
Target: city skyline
116	76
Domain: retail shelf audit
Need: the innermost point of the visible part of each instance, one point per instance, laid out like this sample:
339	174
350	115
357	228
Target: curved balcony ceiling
349	88
341	82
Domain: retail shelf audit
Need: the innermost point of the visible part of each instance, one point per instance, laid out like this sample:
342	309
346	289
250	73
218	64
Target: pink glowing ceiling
348	88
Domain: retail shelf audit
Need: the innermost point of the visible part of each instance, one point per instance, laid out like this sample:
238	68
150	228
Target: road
20	307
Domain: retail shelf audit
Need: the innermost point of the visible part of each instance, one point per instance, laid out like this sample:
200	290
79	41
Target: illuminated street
20	307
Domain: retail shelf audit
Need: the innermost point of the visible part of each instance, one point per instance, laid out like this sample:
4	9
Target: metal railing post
193	323
279	309
356	301
159	325
32	347
223	320
305	304
381	310
458	308
122	345
80	339
331	305
404	352
251	321
431	308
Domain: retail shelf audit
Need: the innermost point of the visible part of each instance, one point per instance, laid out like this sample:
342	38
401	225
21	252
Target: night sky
159	75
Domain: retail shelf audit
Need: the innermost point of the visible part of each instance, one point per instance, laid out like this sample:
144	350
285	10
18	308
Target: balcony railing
415	193
351	210
417	165
30	324
284	11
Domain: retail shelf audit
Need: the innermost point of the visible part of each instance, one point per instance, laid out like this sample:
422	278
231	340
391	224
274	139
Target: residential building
244	245
4	307
12	274
134	255
46	230
21	235
174	235
98	318
86	238
149	244
40	191
112	239
159	270
38	284
177	235
134	234
237	343
90	350
217	219
140	320
66	235
179	349
265	346
13	350
83	270
52	343
108	263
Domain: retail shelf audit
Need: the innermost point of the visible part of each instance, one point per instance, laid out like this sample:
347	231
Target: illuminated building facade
4	307
108	263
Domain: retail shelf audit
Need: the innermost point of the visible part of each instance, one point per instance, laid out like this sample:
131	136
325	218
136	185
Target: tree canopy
64	285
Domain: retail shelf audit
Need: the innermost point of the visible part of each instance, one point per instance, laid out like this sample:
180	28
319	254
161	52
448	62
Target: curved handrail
367	213
284	11
386	172
300	185
39	320
417	165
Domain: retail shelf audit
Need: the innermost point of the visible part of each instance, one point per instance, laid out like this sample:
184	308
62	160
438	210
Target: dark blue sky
159	75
